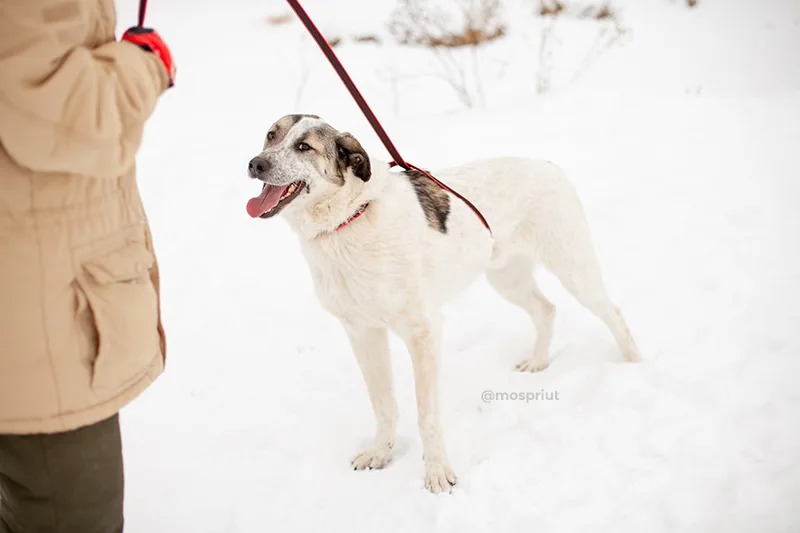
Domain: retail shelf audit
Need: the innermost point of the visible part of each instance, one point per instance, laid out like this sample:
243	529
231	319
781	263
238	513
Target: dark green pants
68	482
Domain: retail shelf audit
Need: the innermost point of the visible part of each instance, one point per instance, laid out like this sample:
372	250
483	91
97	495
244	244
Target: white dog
386	249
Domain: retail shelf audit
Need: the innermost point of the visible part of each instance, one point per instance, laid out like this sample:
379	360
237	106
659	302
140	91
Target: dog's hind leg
592	294
515	282
371	348
578	270
422	340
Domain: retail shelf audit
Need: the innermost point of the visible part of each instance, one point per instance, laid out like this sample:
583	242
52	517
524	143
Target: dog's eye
303	147
270	135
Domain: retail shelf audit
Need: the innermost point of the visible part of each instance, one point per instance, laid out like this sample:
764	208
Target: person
80	326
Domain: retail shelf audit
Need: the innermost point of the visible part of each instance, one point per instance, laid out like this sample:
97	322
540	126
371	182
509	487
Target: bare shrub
608	32
367	38
470	23
453	36
598	10
544	73
550	7
603	13
277	20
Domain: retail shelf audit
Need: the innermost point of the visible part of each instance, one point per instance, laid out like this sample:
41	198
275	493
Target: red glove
149	40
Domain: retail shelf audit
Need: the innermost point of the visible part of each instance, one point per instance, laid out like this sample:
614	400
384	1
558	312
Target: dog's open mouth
273	198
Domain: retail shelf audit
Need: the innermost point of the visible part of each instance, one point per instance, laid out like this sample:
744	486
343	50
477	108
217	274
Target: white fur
388	270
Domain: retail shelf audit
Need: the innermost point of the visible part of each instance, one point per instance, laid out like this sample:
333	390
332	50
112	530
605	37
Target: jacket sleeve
66	107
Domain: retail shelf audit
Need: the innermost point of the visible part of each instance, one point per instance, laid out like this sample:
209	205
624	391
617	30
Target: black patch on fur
434	200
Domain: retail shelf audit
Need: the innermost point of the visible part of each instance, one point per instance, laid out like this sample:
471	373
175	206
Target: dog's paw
532	365
631	355
439	477
372	459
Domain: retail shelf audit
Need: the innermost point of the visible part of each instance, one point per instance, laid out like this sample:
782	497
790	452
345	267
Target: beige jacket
80	329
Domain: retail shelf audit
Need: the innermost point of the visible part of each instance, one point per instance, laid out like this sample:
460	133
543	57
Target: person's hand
149	40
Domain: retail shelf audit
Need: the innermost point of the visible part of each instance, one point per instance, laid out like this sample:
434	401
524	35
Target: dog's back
530	205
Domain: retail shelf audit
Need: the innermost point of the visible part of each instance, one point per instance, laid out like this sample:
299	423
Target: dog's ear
351	154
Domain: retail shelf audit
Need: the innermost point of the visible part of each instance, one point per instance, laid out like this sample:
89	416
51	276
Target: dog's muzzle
259	167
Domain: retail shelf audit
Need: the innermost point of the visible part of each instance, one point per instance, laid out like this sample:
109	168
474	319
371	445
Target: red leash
142	12
362	103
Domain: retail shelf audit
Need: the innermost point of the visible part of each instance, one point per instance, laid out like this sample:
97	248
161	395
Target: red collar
358	213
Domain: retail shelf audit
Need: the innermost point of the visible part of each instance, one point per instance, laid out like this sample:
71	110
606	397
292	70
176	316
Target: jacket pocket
124	306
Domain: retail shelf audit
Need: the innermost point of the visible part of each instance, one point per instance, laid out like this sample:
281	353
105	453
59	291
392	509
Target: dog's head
301	154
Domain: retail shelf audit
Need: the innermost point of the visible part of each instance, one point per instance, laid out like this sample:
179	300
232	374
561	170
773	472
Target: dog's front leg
422	340
371	347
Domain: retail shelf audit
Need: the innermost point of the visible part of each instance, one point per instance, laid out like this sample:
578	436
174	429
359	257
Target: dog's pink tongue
269	198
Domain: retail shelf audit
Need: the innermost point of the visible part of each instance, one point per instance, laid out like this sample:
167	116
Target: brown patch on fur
323	140
282	126
297	118
434	200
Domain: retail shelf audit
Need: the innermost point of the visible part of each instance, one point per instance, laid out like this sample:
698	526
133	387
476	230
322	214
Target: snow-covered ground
683	141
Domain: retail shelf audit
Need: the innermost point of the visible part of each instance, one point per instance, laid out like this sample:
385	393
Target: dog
386	249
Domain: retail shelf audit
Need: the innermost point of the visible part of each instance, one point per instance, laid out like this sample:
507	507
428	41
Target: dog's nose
258	166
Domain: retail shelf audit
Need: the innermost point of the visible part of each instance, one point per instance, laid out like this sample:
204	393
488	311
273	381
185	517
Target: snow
682	141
